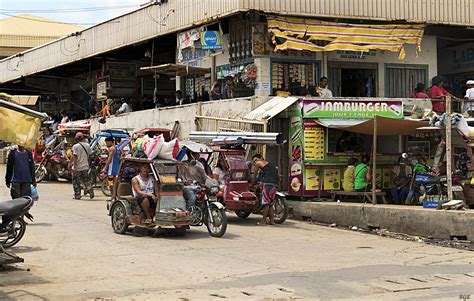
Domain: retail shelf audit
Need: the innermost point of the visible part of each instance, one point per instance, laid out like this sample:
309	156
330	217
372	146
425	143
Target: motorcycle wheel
196	215
118	217
218	228
40	173
15	229
106	189
280	208
243	213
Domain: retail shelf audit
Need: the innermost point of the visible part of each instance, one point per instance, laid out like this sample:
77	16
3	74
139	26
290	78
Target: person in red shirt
437	91
419	91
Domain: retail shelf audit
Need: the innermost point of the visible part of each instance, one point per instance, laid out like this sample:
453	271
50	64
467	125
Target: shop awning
177	70
385	126
24	100
314	35
271	108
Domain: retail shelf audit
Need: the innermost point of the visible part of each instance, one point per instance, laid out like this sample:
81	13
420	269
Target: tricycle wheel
280	208
219	226
243	213
119	218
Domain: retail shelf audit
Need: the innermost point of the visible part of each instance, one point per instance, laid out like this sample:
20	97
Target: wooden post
265	129
449	176
374	163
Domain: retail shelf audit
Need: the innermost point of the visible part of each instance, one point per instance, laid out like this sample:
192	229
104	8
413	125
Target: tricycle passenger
191	174
144	190
269	179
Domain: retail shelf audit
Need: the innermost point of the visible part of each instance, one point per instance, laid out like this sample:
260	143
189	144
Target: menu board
313	142
332	178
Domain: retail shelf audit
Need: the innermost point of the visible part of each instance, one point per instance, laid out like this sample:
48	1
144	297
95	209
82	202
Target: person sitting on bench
401	175
144	189
362	175
349	173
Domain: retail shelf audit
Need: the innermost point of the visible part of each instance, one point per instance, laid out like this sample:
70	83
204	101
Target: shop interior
353	79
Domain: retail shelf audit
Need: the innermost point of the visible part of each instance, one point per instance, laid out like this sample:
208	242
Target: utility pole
449	177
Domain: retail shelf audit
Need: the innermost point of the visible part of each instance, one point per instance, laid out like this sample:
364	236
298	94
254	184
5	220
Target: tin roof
271	108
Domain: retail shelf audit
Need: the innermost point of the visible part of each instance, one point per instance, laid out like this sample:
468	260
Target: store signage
357	55
341	108
211	40
101	89
457	59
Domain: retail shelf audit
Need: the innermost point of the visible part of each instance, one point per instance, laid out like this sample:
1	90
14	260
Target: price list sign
313	142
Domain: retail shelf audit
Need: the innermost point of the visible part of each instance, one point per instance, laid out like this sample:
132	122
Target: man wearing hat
79	166
469	103
105	112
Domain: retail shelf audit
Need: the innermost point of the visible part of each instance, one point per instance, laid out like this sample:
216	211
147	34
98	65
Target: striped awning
314	35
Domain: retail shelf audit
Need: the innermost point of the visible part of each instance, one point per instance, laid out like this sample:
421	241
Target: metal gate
401	80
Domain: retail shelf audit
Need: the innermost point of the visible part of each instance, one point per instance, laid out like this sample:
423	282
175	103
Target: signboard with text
211	40
341	108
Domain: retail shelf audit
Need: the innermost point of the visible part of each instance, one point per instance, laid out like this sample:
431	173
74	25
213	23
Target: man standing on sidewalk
20	172
79	165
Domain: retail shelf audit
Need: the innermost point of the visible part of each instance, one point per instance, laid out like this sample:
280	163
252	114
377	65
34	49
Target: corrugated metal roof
146	23
271	108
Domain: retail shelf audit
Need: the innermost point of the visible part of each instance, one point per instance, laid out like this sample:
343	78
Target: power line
67	10
47	21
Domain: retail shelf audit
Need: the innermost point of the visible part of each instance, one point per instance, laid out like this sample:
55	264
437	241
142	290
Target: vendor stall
325	133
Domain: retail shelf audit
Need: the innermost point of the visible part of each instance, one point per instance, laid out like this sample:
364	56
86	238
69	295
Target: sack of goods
158	148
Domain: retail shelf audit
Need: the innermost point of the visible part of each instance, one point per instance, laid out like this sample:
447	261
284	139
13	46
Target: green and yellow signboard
340	108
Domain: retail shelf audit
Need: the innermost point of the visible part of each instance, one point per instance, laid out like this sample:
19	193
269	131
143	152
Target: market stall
325	133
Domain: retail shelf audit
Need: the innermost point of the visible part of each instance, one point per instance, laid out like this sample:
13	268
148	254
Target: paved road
71	253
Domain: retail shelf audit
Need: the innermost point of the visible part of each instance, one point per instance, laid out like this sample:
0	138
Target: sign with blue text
211	40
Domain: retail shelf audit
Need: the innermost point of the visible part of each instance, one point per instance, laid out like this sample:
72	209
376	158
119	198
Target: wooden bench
365	195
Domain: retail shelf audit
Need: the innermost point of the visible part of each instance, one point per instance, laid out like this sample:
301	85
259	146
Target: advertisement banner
341	108
211	40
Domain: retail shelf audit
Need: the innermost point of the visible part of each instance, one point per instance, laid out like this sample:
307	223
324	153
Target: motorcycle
12	223
208	210
54	165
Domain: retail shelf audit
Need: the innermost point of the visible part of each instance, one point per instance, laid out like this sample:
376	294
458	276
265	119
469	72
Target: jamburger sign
341	108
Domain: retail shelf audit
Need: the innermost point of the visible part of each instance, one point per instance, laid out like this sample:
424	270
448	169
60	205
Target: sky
86	12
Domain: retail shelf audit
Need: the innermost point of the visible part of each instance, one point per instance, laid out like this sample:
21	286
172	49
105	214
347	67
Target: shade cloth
313	35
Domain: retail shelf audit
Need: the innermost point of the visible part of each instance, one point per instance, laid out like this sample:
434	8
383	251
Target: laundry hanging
314	35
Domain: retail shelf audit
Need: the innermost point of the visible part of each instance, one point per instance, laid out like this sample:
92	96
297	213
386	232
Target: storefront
325	133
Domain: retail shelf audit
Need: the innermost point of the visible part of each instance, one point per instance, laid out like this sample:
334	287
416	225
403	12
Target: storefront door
348	79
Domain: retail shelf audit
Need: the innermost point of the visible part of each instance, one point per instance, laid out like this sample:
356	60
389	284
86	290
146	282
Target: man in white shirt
469	97
322	89
64	117
124	108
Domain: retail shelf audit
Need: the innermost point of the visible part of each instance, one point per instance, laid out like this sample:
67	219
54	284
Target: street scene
239	150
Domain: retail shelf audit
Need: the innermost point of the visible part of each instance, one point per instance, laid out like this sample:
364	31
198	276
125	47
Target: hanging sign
341	108
211	40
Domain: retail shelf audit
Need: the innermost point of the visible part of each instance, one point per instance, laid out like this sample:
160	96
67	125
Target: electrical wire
66	10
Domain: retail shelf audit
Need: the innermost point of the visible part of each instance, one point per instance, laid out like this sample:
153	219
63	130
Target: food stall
325	133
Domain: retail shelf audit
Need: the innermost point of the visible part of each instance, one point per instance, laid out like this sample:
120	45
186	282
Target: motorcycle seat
13	206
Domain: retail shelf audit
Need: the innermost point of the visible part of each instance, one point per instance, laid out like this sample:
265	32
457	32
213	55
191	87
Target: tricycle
170	211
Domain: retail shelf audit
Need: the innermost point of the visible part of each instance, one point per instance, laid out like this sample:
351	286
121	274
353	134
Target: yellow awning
314	35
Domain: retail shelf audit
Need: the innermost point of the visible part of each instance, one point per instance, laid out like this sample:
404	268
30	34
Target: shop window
348	79
197	88
298	78
401	80
346	142
244	76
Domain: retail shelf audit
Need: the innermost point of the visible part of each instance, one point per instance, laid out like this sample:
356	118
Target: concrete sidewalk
440	224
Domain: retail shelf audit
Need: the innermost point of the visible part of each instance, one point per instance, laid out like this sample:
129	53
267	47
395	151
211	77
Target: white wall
186	115
428	56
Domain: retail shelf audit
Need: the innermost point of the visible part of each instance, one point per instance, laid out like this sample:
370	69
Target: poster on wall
211	40
340	108
312	178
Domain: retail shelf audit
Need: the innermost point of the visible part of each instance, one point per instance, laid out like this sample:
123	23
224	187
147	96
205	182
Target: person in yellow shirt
348	182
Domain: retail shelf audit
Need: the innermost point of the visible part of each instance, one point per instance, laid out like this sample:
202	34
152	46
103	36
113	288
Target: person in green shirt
362	175
420	167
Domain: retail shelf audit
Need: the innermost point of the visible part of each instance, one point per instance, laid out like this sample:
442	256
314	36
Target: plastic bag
34	193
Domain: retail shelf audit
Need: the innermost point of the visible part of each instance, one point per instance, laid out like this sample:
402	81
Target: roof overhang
385	126
177	70
271	108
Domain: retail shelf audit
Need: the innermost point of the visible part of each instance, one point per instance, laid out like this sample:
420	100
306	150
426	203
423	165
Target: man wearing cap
105	112
469	103
79	166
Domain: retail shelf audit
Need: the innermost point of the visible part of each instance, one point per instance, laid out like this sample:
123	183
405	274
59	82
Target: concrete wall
410	220
186	115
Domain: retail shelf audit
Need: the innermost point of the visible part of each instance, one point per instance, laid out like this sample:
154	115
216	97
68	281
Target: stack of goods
156	148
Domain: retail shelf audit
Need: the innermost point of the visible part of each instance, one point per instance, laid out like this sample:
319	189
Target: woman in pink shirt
437	91
419	91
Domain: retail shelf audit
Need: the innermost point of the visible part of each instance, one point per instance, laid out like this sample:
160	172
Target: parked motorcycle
208	210
12	223
54	165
